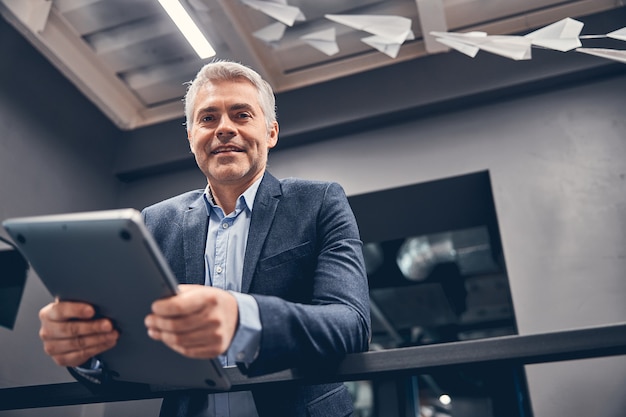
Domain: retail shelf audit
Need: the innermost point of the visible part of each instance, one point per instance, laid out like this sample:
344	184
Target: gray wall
56	153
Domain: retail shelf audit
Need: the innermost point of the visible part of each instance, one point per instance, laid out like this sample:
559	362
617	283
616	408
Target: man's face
229	136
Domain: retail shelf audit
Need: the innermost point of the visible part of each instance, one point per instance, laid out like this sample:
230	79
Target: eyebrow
236	106
241	106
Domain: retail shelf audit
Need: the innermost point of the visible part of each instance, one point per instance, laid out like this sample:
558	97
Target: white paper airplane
468	49
619	34
513	47
323	40
271	33
613	54
277	10
389	32
395	29
560	36
382	44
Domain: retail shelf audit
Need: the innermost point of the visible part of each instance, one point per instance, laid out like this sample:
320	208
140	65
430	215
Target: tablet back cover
110	260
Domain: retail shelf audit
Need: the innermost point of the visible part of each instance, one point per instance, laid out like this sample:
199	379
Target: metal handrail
599	341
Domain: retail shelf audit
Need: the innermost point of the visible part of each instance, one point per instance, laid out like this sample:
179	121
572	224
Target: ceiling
130	60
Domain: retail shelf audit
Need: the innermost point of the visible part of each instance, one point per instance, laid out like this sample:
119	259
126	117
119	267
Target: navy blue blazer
304	266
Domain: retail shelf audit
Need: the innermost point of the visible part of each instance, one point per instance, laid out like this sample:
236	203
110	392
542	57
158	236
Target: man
272	274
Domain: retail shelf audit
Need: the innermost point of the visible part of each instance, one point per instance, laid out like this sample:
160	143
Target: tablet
109	259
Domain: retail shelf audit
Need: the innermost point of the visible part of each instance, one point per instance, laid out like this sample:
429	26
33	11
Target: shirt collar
247	197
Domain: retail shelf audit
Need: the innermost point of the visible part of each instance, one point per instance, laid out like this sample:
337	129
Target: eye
244	115
207	118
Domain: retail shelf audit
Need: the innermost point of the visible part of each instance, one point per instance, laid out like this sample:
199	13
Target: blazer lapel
263	212
195	223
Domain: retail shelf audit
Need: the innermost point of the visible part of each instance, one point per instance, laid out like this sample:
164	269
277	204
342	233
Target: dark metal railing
582	343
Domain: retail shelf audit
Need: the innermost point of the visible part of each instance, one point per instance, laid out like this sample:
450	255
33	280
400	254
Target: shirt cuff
244	347
91	371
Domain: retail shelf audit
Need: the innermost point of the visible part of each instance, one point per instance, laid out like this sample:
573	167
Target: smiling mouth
225	150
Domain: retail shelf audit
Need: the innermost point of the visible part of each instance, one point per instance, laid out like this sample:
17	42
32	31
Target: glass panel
437	274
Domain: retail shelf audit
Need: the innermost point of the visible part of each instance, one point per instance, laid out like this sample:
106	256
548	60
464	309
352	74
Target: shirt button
224	225
218	269
241	356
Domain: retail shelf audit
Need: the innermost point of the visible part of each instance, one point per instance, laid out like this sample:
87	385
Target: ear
190	139
272	137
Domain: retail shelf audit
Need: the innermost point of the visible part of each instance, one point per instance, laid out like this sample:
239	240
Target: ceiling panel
131	61
87	17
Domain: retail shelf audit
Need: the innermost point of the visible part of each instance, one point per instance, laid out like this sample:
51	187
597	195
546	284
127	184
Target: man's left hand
199	322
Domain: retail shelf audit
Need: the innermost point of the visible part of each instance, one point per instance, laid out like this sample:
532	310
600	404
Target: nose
225	130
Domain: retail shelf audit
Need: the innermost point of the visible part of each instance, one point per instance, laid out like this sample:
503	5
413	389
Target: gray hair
229	71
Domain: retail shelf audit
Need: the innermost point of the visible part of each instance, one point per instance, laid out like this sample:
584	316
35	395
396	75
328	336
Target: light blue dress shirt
224	257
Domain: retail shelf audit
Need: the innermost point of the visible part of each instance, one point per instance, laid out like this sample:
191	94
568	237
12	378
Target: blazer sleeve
332	318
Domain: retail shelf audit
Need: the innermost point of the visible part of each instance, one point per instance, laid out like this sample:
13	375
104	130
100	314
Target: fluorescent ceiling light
188	28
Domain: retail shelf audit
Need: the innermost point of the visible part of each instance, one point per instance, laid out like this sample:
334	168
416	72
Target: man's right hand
71	335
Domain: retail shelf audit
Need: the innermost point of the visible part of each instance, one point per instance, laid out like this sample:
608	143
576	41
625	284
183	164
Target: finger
213	340
68	329
73	352
180	324
194	344
79	344
66	310
204	335
188	287
78	357
190	300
